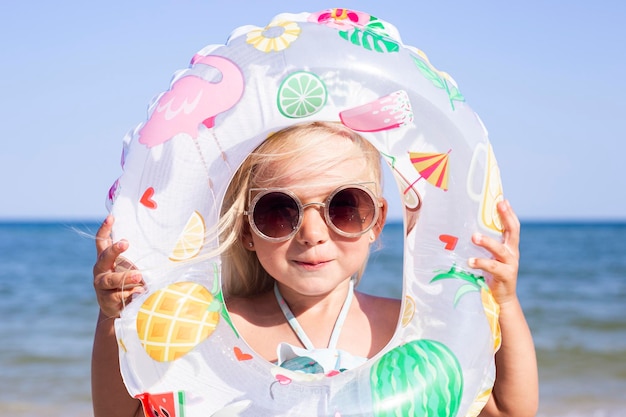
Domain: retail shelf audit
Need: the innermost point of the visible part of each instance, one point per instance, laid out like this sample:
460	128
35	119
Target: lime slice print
301	94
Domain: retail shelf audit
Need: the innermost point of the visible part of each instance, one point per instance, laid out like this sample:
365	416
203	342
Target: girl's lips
311	265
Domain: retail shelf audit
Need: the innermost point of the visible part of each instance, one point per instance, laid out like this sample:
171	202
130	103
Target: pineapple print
175	319
477	283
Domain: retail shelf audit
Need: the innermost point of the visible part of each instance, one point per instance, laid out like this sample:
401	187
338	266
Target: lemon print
493	194
409	310
492	311
479	403
175	319
191	239
301	94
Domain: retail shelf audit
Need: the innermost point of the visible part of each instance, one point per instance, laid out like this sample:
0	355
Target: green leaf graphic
440	82
373	37
218	302
429	73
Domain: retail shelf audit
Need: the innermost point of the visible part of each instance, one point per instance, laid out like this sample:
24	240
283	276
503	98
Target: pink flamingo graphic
193	100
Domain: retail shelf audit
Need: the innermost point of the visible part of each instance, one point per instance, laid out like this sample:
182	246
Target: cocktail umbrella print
433	167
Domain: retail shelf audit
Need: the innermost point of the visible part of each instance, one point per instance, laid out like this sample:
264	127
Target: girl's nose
313	229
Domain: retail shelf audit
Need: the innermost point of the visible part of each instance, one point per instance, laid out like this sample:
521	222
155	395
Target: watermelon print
420	378
169	404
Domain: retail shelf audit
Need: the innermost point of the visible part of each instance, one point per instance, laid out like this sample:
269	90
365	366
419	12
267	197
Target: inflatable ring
179	351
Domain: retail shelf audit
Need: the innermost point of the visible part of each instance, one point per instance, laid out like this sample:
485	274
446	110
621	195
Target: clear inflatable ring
335	65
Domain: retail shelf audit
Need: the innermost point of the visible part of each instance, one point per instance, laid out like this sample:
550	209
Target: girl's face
317	259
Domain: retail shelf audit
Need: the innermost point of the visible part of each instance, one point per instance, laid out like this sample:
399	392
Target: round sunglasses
276	214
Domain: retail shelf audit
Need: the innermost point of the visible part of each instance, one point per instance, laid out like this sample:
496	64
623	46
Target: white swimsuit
311	359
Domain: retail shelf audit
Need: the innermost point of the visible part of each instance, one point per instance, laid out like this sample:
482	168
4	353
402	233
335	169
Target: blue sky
548	78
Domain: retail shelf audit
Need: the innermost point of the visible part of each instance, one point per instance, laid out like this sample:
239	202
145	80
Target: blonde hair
281	153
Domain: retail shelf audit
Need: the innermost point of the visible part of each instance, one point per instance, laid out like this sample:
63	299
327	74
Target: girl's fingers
504	264
491	266
116	281
103	235
506	250
112	303
501	252
511	224
106	259
106	249
115	289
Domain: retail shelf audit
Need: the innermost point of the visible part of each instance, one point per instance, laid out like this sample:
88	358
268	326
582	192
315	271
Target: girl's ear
246	238
382	217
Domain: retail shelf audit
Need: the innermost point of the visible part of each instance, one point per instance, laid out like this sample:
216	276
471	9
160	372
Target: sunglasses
276	214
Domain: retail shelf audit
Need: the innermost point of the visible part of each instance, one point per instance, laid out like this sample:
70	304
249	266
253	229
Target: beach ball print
175	319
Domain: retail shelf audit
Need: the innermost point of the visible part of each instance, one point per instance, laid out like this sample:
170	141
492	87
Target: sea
572	286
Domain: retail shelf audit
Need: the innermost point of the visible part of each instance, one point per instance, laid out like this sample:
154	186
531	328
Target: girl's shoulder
379	310
377	323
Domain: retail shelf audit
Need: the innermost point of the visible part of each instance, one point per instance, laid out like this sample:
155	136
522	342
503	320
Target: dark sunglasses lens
276	214
352	210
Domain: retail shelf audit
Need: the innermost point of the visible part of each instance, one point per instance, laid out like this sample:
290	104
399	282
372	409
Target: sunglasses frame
261	192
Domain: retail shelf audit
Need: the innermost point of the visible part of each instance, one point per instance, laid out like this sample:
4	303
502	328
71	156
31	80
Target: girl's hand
114	286
505	262
516	389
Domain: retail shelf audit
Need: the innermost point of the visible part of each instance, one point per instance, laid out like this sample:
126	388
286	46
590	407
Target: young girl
297	223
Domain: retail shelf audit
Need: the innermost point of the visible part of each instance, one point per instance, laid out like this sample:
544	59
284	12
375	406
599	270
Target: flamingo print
193	100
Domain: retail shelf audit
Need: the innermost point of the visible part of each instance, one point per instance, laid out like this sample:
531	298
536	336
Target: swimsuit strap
299	331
